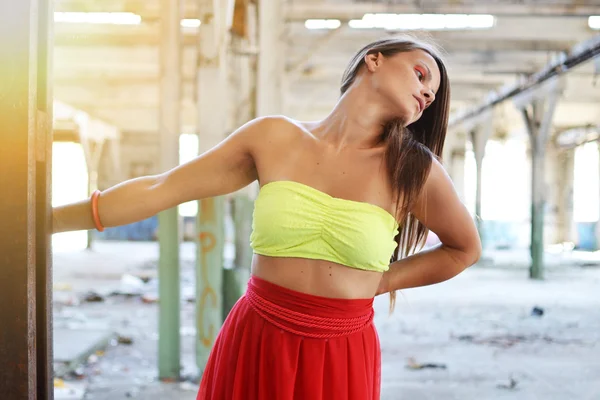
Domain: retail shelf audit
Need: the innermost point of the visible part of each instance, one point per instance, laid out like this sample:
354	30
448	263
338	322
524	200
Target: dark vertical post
43	159
25	140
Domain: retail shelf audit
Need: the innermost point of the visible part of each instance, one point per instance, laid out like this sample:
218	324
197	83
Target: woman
338	199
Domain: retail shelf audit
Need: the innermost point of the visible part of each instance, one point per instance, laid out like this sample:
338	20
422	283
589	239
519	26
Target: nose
428	94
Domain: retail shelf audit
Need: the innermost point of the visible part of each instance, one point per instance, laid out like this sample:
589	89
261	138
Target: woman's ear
373	61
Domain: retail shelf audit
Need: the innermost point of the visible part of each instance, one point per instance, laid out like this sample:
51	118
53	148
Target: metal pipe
580	54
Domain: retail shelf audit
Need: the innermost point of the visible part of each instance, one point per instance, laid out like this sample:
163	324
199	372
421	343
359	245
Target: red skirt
281	344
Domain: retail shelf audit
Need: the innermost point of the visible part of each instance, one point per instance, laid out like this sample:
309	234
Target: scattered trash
537	311
125	340
62	287
130	286
78	373
413	364
145	278
65	299
188	387
150	298
68	391
506	341
188	293
92	297
511	385
131	393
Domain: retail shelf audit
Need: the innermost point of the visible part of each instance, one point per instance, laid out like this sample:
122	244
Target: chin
405	116
410	119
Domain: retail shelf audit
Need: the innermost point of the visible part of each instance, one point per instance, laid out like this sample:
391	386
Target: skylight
423	21
114	18
322	23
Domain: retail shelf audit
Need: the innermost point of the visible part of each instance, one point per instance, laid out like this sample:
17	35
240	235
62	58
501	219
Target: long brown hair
409	150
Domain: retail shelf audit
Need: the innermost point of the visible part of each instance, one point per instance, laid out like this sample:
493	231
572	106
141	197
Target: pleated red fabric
281	344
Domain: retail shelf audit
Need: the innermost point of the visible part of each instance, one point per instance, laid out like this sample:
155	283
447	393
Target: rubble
413	364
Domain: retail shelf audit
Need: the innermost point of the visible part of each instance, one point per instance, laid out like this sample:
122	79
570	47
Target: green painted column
242	217
169	294
209	275
598	222
168	221
214	113
537	114
536	270
235	279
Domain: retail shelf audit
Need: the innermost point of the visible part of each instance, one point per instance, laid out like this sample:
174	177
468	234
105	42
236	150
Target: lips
421	103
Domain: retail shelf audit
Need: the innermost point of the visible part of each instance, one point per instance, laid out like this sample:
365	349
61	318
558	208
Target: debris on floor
74	347
188	386
125	340
489	311
130	286
93	297
537	311
503	341
68	390
150	298
507	340
413	364
510	385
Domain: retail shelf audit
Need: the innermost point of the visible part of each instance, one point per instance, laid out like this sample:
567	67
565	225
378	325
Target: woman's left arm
442	212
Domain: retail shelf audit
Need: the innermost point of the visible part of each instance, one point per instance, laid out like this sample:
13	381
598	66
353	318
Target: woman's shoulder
279	129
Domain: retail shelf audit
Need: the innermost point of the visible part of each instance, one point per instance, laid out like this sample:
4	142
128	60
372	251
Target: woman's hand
440	210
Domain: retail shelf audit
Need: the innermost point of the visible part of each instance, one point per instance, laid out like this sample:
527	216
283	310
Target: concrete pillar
598	222
271	61
479	135
93	152
25	181
454	161
243	78
561	178
168	221
213	116
537	108
457	165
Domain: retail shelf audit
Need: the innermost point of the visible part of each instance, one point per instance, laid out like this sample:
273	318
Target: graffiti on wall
208	295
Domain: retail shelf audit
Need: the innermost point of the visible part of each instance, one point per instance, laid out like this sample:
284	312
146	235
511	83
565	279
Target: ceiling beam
553	71
300	11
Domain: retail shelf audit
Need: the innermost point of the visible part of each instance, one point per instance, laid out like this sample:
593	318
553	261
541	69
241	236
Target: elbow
467	255
473	254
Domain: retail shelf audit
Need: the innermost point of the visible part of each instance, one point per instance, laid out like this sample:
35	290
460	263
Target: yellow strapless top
295	220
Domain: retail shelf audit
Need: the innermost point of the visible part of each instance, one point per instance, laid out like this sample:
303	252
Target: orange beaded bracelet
95	214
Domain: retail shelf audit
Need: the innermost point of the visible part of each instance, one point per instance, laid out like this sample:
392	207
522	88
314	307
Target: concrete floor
479	327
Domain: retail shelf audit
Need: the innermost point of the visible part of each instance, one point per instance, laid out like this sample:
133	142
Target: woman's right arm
227	167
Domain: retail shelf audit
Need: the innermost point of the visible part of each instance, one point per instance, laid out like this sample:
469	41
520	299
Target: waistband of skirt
308	315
